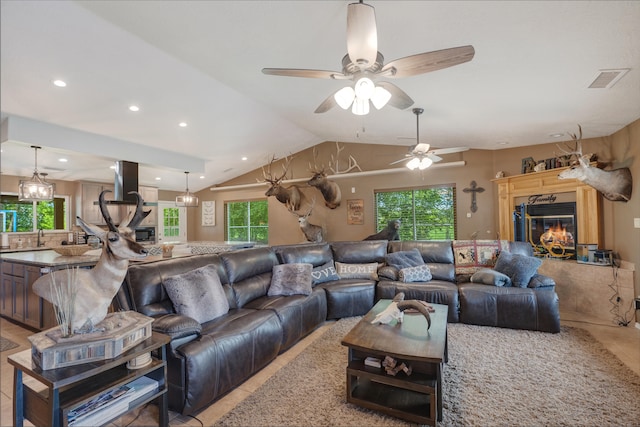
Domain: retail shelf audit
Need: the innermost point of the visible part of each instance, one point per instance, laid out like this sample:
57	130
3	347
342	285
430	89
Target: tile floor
624	342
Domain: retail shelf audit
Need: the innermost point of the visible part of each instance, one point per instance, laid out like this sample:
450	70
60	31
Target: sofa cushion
388	272
316	254
541	281
420	273
404	259
359	251
324	273
438	255
520	268
290	279
487	276
357	271
472	255
198	294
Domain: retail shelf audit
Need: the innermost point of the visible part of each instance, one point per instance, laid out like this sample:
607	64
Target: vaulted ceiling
200	62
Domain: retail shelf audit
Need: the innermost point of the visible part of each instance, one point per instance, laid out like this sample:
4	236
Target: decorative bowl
72	250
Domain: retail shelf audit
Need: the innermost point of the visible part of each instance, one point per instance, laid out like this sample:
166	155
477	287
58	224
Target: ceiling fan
363	64
420	155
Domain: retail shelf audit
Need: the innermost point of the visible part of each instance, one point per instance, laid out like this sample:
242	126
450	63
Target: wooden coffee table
416	397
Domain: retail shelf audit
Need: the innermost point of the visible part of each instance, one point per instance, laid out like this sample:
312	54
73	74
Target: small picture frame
527	165
355	212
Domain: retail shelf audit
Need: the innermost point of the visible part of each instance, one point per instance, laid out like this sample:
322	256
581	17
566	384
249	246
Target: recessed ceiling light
112	167
60	83
244	158
182	124
201	176
556	135
503	143
63	160
134	108
158	178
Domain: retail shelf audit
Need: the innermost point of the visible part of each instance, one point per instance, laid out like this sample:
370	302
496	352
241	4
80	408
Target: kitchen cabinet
149	195
89	212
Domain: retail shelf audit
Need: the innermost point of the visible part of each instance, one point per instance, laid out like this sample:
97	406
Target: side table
72	386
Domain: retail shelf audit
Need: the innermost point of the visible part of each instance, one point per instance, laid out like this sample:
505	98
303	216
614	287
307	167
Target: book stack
110	404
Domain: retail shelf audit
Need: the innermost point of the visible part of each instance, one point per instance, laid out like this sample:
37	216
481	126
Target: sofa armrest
176	326
541	281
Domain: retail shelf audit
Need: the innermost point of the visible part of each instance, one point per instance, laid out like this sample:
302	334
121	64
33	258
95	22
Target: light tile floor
624	342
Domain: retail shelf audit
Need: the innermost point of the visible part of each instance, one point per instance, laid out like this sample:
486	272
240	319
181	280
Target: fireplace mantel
588	201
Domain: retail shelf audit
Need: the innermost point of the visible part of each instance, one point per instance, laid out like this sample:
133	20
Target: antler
352	162
268	175
139	215
105	212
314	168
577	151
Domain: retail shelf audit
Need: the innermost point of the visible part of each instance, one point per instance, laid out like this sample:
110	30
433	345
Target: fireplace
550	228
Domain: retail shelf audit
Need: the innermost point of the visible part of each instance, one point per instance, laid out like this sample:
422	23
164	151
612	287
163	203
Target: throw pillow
388	272
487	276
520	268
420	273
290	279
541	281
472	255
198	294
404	259
357	271
324	273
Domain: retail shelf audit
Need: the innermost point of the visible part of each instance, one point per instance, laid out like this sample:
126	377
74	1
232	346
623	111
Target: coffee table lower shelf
412	399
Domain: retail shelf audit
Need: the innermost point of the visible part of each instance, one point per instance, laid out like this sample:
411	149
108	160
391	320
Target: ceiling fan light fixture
425	163
380	97
364	88
413	163
360	107
344	97
187	199
37	188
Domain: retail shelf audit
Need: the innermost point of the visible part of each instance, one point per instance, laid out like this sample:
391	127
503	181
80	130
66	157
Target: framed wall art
209	213
355	212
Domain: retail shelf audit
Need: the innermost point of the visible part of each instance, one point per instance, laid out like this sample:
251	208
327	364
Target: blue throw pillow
487	276
324	273
520	268
419	273
404	259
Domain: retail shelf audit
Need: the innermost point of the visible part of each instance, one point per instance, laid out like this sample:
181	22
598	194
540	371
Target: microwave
146	234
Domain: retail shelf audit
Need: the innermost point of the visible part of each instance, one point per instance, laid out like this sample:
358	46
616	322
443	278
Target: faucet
40	233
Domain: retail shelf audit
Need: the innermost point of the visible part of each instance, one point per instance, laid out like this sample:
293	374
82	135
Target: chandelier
37	188
187	199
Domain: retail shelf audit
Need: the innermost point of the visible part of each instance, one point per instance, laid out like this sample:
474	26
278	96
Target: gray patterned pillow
420	273
198	294
290	279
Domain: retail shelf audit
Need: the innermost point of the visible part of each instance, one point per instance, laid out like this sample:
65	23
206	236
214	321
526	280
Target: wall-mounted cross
473	189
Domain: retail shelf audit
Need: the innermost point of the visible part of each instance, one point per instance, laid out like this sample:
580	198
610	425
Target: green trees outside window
19	216
247	221
426	213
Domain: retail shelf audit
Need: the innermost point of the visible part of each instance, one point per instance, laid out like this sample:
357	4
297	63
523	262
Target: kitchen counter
51	259
29	249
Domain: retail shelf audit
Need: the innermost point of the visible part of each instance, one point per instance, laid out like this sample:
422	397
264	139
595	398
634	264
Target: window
30	216
426	213
247	221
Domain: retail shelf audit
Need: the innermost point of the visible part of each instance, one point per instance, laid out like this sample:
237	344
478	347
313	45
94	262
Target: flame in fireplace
556	239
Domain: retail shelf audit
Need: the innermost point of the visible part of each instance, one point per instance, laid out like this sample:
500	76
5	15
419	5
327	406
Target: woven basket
72	250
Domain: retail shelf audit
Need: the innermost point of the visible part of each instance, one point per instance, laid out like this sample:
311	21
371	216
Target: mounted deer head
615	185
94	289
313	233
290	196
329	189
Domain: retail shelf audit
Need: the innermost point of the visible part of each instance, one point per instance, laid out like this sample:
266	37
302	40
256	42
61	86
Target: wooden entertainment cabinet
588	201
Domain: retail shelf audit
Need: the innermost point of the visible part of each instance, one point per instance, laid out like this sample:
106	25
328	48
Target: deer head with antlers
615	185
291	196
94	289
329	189
312	232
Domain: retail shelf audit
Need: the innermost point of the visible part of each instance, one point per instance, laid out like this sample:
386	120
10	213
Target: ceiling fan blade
397	161
399	98
362	35
312	74
433	157
327	104
428	61
449	150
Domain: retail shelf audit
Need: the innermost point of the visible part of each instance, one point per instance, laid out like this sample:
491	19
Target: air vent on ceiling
605	79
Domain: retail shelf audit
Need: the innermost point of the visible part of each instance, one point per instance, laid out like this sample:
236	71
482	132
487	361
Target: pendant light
37	188
187	199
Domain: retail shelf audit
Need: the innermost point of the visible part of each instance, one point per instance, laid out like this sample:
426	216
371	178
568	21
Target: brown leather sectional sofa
205	361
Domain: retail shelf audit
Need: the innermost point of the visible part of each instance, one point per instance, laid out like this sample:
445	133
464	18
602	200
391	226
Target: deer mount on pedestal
615	185
94	289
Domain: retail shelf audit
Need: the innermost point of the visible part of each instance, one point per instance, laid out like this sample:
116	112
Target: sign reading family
541	198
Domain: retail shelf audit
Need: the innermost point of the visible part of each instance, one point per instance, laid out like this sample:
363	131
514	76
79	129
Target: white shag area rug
494	377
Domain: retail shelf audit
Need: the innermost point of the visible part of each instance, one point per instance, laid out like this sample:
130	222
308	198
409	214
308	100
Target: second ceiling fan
364	65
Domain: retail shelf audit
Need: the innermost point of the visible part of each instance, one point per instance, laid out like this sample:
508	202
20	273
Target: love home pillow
198	294
357	271
324	273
